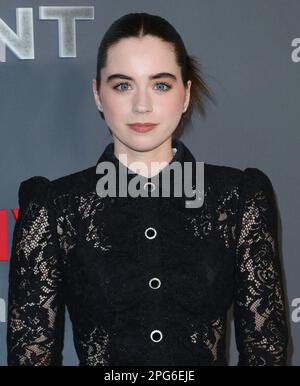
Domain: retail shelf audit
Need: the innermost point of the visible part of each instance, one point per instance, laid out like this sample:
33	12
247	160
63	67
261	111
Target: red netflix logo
3	232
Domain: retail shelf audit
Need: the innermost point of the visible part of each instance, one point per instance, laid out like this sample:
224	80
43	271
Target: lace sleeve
259	305
35	325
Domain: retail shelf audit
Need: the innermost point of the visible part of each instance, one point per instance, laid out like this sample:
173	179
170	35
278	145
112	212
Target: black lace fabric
261	330
36	307
72	248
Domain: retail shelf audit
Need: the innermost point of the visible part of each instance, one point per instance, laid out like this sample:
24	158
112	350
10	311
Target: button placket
153	248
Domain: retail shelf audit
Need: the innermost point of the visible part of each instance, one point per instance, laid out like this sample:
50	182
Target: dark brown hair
141	24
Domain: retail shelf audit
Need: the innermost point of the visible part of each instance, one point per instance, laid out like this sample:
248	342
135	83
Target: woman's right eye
121	84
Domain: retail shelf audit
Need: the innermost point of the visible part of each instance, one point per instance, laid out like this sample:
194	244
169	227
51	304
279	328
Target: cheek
115	108
171	107
172	102
114	104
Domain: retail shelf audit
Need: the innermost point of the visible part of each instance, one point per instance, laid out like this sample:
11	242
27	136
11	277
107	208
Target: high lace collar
181	154
109	155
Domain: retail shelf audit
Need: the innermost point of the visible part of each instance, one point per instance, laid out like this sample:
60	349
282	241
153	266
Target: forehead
141	55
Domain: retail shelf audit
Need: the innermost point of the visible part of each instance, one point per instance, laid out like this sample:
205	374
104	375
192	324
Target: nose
142	102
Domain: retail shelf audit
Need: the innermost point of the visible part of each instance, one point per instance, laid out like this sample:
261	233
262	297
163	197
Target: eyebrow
155	76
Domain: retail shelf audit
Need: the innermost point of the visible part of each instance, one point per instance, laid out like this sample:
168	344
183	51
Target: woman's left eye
164	84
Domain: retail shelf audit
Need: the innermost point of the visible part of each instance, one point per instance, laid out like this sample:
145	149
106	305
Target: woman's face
138	98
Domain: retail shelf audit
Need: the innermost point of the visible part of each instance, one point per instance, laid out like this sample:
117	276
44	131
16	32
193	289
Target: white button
151	184
156	332
154	283
151	231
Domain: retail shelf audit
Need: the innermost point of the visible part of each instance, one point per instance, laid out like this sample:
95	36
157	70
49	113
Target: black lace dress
146	280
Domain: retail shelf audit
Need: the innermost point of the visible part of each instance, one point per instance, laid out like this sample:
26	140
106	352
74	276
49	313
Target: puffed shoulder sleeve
259	307
35	325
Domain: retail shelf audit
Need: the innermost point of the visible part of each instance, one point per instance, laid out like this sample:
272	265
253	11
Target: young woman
146	278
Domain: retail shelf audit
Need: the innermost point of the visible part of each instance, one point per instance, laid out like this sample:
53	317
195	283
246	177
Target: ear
187	94
95	92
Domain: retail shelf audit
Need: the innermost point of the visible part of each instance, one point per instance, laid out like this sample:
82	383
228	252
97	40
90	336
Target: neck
152	160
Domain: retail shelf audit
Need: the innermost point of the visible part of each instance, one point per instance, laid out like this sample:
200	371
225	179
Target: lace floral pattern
73	248
259	305
88	208
35	305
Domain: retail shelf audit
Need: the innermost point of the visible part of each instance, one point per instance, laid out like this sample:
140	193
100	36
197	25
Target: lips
142	127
